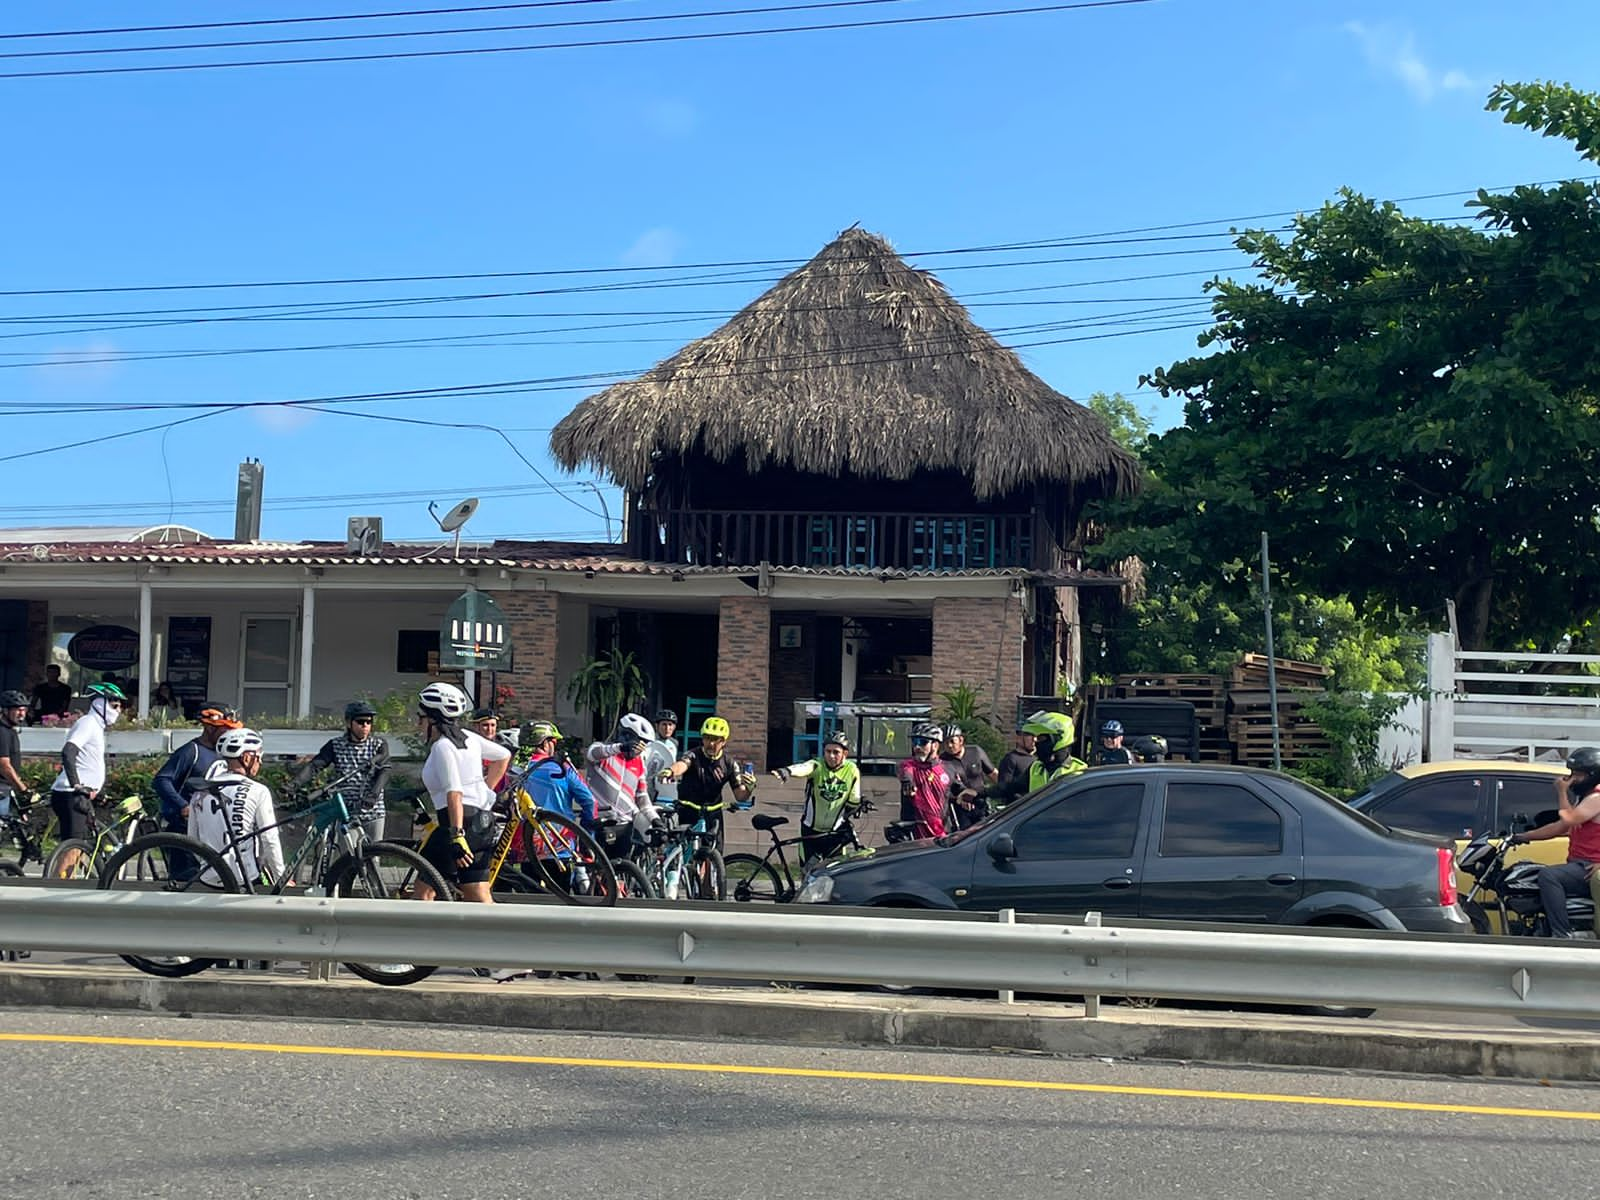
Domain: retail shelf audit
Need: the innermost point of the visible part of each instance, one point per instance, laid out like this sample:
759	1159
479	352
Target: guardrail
1288	967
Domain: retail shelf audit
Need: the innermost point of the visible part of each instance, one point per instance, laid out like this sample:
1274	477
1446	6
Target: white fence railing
1278	967
1473	711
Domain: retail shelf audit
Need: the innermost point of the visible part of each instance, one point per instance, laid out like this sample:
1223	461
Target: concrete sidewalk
823	1017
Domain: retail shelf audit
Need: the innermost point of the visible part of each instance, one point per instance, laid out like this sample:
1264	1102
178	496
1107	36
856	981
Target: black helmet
666	714
13	699
359	708
1584	761
484	714
838	738
1112	728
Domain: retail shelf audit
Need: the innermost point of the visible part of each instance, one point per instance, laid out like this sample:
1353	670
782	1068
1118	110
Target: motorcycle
1515	887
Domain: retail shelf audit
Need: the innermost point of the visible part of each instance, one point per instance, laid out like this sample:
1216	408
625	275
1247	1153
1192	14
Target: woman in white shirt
460	774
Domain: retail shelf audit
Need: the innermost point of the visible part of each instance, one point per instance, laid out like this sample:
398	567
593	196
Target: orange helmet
219	715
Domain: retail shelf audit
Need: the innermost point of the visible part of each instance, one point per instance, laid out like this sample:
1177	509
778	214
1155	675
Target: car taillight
1447	877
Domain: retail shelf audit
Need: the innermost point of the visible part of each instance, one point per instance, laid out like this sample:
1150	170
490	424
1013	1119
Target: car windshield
1379	788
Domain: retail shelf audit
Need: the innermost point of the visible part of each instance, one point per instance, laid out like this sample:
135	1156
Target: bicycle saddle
764	822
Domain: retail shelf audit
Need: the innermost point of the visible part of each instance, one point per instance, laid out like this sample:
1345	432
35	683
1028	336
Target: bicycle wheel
173	863
83	868
385	871
631	881
706	877
567	861
751	880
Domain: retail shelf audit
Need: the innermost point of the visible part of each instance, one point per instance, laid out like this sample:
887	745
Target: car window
1217	819
1098	822
1523	799
1444	806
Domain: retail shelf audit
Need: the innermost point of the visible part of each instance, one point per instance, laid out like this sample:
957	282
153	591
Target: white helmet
236	743
443	700
636	727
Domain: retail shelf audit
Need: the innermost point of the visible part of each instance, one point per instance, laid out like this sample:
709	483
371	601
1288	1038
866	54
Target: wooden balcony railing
901	541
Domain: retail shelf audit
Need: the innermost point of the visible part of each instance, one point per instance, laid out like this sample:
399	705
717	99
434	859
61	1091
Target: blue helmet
1111	729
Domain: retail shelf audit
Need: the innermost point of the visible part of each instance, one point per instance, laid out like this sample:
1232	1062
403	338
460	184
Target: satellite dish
453	520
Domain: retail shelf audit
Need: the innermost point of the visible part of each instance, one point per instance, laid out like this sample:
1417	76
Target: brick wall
744	632
533	617
974	641
36	655
794	669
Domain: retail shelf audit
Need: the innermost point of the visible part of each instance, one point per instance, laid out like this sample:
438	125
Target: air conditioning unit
364	536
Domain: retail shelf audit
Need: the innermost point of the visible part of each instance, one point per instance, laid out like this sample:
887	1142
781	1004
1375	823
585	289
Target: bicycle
23	826
682	864
754	878
339	858
128	821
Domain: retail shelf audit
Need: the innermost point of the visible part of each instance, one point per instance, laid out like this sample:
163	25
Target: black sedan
1171	841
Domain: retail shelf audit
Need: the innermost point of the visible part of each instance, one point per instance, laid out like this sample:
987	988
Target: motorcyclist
1578	820
833	793
1053	758
926	784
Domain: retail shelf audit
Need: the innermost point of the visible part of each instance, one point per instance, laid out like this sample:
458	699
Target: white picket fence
1471	714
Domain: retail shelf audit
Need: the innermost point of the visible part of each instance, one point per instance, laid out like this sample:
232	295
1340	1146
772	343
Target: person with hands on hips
1578	820
460	773
83	767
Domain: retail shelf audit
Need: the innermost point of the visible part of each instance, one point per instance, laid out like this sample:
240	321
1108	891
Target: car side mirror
1002	848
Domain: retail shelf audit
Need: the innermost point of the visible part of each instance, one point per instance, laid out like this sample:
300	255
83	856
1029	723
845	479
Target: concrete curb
824	1018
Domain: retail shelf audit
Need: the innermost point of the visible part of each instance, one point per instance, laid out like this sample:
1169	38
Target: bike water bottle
671	883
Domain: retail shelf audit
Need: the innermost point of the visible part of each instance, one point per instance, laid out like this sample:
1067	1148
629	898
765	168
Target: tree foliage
1407	407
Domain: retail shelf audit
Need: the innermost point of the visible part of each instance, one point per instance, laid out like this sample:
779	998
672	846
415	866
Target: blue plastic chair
695	710
809	745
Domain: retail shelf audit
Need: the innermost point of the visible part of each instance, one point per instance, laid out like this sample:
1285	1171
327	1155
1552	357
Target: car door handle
1118	882
1283	880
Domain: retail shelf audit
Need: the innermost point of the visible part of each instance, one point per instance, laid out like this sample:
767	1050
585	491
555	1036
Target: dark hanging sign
104	648
189	661
475	635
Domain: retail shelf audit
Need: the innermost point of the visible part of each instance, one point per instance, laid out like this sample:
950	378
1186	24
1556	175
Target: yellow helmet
1053	728
715	727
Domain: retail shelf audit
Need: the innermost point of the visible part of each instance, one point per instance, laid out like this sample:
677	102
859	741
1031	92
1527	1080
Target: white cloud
281	419
1393	51
82	369
653	248
670	118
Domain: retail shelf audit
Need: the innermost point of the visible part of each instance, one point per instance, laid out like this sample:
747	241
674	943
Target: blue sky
946	135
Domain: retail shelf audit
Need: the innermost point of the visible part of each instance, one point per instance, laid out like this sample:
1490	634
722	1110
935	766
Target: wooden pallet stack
1205	692
1249	721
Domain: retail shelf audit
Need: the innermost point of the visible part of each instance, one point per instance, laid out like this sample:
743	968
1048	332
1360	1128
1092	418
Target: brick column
979	642
36	651
744	633
533	617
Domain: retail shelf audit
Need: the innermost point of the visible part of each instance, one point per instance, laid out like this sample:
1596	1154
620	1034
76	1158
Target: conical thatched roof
854	362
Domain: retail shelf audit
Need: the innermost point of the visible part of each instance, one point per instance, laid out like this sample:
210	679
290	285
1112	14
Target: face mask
109	714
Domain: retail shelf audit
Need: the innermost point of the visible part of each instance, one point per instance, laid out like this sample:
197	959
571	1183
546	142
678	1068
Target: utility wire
656	39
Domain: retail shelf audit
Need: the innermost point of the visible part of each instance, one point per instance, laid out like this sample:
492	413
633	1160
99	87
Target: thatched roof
856	362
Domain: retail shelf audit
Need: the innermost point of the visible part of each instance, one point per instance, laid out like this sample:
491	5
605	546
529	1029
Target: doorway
266	667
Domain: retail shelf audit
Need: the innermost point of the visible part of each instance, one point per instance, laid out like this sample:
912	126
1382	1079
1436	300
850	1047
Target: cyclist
1111	752
926	784
228	804
1052	758
174	782
13	713
460	774
659	756
833	794
701	775
552	782
83	767
359	758
970	767
616	775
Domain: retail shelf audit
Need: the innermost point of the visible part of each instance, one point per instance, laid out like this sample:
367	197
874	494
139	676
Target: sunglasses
926	742
361	720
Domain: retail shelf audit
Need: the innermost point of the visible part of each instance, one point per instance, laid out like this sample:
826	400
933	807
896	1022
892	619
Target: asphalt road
162	1106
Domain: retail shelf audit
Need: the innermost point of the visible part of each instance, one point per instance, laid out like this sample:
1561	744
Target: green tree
1129	424
1408	407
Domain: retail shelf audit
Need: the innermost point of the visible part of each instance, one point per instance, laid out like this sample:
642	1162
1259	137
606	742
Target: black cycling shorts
72	814
480	837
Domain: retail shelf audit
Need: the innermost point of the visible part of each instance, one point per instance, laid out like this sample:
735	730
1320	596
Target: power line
100	51
656	39
368	16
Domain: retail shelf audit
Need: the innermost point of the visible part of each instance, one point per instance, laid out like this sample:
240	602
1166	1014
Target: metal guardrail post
1091	1003
1007	916
323	970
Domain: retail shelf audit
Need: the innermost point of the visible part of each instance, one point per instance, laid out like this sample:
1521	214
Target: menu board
189	661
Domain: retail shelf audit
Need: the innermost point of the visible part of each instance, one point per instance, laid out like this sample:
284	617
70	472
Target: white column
308	625
1439	724
146	637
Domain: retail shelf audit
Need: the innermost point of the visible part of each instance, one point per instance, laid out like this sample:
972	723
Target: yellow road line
628	1064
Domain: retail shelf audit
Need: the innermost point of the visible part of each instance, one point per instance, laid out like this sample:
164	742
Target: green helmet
1054	730
541	732
109	690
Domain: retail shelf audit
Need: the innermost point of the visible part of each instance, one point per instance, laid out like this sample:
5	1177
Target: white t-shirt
450	769
233	807
89	736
